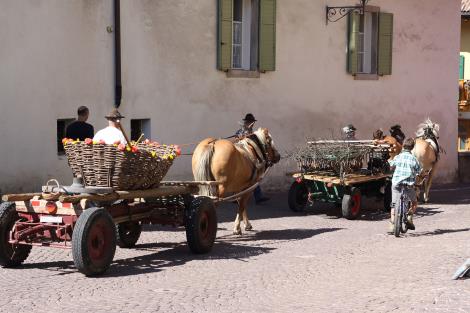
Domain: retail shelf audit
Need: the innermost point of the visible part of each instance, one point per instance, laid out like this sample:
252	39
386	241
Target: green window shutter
354	20
385	44
462	67
267	35
224	35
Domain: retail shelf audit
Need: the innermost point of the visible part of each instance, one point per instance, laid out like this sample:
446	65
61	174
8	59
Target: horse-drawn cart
117	188
341	172
92	224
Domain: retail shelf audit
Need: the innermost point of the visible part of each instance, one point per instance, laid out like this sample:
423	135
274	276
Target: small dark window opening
139	127
61	127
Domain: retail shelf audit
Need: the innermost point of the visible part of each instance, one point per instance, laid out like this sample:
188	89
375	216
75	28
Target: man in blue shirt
247	129
407	168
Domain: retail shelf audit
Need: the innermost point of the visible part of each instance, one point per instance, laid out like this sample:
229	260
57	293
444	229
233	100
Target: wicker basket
103	165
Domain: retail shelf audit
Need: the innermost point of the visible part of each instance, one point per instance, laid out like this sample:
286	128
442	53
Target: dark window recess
61	127
140	127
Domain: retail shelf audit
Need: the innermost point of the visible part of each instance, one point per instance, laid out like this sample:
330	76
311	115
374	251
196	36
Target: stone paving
310	262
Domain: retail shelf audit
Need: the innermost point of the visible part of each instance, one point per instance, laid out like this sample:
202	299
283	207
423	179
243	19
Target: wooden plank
350	179
20	196
189	183
42	210
130	195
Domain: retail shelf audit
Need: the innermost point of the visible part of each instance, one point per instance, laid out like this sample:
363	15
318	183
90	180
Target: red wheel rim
356	204
98	242
204	225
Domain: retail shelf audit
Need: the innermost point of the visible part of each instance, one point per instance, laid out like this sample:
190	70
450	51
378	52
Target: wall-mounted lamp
334	14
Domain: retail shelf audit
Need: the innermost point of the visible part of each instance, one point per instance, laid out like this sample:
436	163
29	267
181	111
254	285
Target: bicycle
401	213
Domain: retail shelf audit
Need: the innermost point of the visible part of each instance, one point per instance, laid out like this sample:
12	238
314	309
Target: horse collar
259	148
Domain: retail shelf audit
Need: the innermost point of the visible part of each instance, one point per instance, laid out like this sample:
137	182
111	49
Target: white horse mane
260	134
428	124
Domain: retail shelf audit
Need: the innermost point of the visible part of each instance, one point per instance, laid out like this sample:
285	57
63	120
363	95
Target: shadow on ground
166	255
438	232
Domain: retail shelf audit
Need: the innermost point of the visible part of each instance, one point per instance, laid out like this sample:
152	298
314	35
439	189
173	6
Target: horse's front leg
427	186
244	203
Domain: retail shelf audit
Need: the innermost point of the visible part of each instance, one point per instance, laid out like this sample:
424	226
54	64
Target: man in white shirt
111	134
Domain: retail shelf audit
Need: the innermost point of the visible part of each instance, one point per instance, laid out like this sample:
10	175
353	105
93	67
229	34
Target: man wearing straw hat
112	133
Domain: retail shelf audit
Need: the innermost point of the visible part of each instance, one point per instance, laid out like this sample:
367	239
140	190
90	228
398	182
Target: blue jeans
258	193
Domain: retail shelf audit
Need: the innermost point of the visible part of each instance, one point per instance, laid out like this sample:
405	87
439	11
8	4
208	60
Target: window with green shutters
370	38
246	35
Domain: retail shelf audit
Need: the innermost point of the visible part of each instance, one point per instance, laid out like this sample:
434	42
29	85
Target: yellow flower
153	153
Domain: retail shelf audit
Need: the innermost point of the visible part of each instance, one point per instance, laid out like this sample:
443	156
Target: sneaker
409	222
261	200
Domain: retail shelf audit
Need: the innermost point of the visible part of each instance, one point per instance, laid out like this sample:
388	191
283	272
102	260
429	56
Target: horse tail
202	170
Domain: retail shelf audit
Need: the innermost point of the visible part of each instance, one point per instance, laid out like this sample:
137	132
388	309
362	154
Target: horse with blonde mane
427	152
235	166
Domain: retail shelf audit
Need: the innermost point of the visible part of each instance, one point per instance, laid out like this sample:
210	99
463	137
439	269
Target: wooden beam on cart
20	196
189	183
163	191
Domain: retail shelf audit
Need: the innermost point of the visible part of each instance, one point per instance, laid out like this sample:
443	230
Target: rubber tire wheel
127	234
351	204
93	222
298	196
10	255
388	197
201	225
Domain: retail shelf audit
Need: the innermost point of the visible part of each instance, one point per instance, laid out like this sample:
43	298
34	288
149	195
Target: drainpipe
117	54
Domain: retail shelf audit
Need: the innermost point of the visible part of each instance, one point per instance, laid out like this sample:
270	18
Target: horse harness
259	159
430	138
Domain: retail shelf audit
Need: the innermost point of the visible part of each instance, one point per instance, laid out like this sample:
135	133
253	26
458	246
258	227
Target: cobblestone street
312	262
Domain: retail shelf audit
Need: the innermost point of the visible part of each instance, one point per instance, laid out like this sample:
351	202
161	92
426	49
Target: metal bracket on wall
335	13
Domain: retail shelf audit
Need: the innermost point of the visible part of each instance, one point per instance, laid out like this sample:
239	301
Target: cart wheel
127	234
388	196
298	196
201	225
93	241
10	255
351	206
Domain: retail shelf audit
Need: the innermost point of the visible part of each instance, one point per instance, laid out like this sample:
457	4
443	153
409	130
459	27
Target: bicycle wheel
405	209
397	222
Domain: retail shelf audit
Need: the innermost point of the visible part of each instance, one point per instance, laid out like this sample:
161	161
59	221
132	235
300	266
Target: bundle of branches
336	156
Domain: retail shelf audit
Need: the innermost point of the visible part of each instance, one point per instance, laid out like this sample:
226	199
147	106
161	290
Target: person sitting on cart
247	129
112	134
397	133
406	169
349	132
80	129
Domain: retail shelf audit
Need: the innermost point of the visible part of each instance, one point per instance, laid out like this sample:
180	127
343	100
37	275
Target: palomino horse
236	166
427	151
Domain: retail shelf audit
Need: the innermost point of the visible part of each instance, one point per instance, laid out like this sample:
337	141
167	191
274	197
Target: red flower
117	142
88	141
121	147
135	149
102	142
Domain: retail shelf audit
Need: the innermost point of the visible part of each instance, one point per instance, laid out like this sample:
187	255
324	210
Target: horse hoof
237	232
248	227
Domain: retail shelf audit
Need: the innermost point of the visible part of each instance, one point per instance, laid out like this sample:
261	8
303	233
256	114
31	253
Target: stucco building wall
58	56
